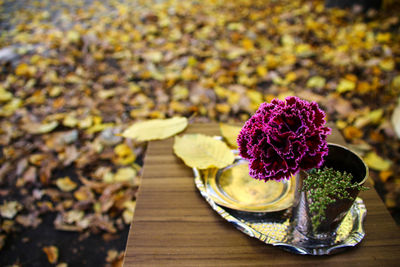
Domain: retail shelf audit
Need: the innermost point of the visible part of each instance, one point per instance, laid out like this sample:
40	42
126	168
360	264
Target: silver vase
342	159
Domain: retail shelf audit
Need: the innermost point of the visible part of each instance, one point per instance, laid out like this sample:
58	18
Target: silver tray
272	226
232	187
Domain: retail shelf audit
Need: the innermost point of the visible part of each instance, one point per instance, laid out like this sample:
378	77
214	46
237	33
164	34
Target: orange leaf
52	254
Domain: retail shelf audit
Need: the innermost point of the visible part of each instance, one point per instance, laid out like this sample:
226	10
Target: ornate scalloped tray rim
278	232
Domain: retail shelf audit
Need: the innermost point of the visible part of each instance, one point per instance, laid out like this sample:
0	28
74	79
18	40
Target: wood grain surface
174	226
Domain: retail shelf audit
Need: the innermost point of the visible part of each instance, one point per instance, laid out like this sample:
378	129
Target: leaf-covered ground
75	74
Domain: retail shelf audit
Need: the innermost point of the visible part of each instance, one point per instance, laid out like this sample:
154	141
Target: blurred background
75	74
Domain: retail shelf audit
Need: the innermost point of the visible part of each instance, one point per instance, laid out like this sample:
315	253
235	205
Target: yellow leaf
248	44
43	128
104	94
230	133
192	61
180	92
288	40
83	193
125	174
24	69
73	36
70	121
383	37
387	64
153	56
127	215
396	82
396	119
99	127
304	50
316	82
134	88
340	124
290	77
376	115
345	85
10	209
130	205
122	150
66	184
373	117
5	95
223	108
9	108
262	70
255	97
212	65
156	129
201	151
86	122
377	163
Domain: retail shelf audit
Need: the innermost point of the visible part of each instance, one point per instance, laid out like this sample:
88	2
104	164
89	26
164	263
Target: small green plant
324	186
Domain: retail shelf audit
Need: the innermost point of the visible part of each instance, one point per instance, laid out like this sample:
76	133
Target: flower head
284	137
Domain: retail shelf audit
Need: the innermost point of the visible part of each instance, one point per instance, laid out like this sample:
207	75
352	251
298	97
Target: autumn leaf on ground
41	128
125	174
201	151
66	184
316	82
156	129
346	85
230	133
396	119
51	253
377	163
8	210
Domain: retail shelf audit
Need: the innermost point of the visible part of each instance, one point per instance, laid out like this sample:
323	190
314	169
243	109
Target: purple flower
282	138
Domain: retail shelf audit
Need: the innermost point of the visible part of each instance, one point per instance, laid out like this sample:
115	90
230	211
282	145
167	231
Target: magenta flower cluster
284	137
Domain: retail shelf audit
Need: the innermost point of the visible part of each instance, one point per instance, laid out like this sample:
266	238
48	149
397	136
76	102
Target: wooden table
174	226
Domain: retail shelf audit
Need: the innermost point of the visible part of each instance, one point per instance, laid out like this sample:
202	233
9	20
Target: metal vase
342	159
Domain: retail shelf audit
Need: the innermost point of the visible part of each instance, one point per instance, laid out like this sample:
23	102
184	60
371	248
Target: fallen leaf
41	128
396	119
373	117
377	163
8	210
201	151
125	174
387	64
51	253
230	133
124	154
66	184
351	132
316	82
112	255
156	129
385	175
345	85
84	193
73	216
5	95
127	215
10	108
